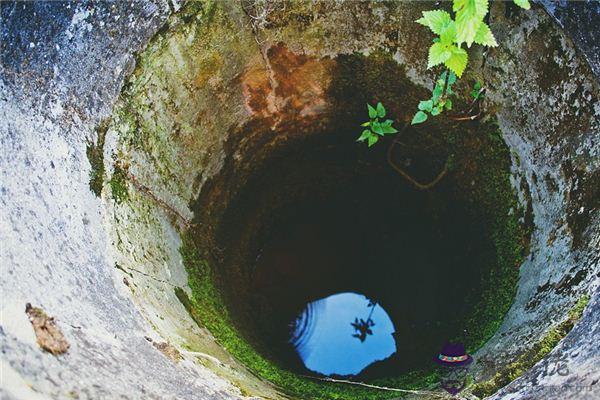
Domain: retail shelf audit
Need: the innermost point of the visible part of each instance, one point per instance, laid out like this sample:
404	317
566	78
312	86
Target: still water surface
342	334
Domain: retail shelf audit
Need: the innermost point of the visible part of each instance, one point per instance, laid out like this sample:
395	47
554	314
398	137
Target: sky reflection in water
328	343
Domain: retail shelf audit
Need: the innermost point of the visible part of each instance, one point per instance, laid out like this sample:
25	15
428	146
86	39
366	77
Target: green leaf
435	111
469	16
451	78
523	4
419	117
438	53
426	105
365	134
476	92
437	92
380	110
448	104
387	127
458	61
372	140
479	7
484	36
366	123
376	127
451	81
372	111
448	35
466	31
436	20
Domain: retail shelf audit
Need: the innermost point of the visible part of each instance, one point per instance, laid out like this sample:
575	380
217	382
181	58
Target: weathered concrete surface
63	65
60	245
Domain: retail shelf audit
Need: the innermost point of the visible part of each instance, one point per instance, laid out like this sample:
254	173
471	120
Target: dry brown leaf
49	336
168	350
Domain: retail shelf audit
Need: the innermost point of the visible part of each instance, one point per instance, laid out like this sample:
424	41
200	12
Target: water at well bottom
342	334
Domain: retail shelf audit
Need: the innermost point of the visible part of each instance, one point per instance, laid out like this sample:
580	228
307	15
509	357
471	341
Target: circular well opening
332	264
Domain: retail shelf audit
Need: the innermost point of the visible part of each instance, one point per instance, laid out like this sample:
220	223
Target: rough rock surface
63	66
579	19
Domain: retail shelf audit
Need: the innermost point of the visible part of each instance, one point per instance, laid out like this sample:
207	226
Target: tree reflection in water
363	327
324	334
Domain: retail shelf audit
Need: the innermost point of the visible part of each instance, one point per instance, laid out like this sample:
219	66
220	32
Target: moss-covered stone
95	154
483	172
207	308
118	184
528	359
480	175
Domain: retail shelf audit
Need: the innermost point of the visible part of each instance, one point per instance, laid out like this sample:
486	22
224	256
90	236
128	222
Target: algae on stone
531	357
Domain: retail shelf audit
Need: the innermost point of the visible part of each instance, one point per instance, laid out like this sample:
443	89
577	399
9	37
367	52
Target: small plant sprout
440	98
376	127
477	91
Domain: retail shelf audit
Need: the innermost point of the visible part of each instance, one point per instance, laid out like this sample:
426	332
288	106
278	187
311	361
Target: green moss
198	10
483	178
118	184
208	310
533	355
95	154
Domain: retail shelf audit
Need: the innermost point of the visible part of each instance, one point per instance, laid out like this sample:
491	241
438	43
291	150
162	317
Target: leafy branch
468	27
440	98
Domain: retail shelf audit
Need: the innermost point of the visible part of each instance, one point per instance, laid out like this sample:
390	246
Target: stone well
147	148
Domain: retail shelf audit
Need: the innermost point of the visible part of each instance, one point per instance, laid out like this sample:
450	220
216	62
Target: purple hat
453	355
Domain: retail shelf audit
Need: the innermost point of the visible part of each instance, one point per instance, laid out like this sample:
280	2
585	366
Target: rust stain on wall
287	86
